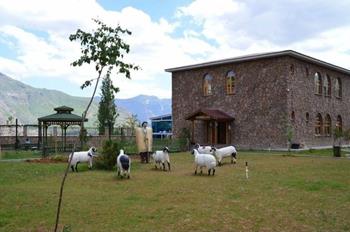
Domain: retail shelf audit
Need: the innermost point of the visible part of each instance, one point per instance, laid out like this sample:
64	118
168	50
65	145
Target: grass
20	154
283	193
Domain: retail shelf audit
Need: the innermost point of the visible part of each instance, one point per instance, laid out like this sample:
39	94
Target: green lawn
20	154
283	193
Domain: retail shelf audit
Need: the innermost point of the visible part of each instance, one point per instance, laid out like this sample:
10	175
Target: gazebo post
65	136
44	138
62	140
39	134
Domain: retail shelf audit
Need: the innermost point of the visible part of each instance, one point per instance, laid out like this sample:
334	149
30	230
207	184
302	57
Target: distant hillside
27	103
145	106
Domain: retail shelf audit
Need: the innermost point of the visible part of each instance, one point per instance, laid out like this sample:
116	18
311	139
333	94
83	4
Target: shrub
108	157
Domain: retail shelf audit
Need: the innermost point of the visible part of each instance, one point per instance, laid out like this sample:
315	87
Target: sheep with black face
160	157
82	157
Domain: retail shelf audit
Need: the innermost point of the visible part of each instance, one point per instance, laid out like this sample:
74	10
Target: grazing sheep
160	157
204	160
203	149
123	164
225	152
82	157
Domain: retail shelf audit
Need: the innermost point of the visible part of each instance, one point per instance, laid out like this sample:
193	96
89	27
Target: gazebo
64	118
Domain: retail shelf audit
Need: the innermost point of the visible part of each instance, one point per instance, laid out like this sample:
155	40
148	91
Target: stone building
255	101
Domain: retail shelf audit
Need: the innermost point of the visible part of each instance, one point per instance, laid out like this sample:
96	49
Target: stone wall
97	141
302	99
259	104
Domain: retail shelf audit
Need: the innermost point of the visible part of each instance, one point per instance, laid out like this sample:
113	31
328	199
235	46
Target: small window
327	86
318	125
292	117
307	117
230	82
318	83
291	69
339	123
338	88
328	125
207	85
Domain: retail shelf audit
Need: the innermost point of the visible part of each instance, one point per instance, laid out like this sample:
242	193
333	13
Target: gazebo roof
63	109
63	115
210	114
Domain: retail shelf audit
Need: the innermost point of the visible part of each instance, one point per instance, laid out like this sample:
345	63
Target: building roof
63	115
209	114
252	57
161	117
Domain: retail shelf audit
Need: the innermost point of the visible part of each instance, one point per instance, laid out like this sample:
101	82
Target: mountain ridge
28	103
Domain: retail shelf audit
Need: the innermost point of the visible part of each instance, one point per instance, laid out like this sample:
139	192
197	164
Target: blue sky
34	45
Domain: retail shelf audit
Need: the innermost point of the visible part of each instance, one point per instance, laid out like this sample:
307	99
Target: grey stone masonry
268	88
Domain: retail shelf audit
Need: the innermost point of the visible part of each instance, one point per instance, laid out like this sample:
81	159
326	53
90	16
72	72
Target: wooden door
221	134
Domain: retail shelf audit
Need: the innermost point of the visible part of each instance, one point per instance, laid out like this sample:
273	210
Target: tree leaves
105	48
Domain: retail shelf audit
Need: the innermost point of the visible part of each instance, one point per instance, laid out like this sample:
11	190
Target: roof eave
262	56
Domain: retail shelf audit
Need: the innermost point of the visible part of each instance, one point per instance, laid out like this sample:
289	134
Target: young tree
106	112
105	49
132	121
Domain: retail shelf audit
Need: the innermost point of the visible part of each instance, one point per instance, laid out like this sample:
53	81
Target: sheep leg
168	165
72	167
90	164
213	171
195	172
163	164
201	170
233	158
209	172
76	167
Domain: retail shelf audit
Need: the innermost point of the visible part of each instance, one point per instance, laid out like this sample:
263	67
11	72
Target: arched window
328	125
230	82
318	83
207	88
339	123
327	86
292	117
307	117
338	88
318	124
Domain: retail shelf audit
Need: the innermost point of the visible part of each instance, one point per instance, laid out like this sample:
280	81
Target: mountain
145	106
28	104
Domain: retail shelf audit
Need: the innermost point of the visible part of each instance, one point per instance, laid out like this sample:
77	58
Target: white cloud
203	30
318	28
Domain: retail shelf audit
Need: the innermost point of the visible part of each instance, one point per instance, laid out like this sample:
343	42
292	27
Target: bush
108	157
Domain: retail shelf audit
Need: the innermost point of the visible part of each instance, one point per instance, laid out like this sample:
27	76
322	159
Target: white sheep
229	151
160	157
123	164
203	149
82	157
204	160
